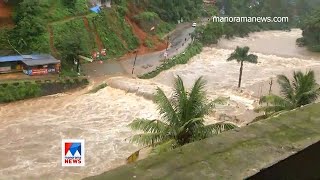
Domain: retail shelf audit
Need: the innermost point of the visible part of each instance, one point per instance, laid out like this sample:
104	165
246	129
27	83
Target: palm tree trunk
240	75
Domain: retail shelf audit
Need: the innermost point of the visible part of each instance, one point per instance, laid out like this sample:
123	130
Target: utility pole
166	53
135	59
168	39
270	89
270	83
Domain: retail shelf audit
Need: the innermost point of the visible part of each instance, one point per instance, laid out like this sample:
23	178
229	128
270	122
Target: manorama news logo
73	152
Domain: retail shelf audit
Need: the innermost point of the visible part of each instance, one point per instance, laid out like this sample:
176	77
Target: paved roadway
179	40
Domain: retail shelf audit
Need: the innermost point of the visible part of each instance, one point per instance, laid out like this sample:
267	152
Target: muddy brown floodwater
31	130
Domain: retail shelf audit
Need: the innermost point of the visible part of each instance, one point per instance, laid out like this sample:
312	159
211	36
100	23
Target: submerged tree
241	55
301	91
183	119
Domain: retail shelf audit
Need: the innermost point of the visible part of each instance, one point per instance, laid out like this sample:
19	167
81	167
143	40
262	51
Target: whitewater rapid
31	131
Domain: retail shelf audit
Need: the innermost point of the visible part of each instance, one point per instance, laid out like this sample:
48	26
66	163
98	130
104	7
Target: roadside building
30	64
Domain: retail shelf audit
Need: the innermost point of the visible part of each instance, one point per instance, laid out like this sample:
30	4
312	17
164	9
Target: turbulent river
31	130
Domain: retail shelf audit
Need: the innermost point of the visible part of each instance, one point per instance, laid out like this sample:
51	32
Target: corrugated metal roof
31	60
10	58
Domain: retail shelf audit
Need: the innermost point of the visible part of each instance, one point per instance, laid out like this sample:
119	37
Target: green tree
70	49
209	34
311	28
70	3
30	25
183	119
174	10
241	55
301	91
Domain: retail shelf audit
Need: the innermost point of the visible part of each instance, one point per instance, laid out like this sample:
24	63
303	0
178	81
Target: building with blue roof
38	64
96	9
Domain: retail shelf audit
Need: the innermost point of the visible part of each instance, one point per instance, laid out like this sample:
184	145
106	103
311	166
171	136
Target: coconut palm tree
301	91
182	119
241	55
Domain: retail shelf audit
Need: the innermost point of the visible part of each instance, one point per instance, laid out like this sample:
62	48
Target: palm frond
306	88
241	54
191	124
303	90
286	88
203	110
149	139
197	100
148	126
308	97
236	55
165	108
165	146
244	50
220	127
298	80
233	56
276	103
213	129
252	58
181	98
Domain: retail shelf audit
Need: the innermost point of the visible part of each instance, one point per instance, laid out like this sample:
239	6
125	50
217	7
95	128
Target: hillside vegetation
311	28
67	29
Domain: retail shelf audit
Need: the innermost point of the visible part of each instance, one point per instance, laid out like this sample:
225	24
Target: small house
30	64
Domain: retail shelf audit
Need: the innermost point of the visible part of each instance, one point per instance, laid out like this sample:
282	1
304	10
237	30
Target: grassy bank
193	49
76	29
98	88
15	91
115	33
18	91
148	20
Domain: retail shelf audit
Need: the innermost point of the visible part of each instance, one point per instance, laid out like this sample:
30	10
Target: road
179	41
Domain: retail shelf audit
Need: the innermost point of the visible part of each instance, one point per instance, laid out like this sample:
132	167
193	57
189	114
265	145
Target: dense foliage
29	33
301	91
21	90
72	39
311	31
209	34
14	92
60	27
174	10
182	119
115	33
